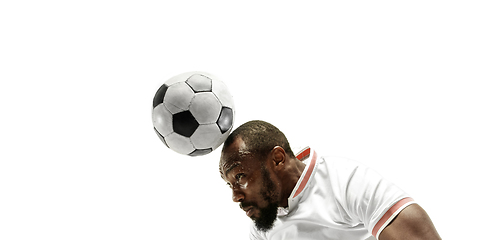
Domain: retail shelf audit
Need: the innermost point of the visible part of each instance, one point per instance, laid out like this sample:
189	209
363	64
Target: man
305	196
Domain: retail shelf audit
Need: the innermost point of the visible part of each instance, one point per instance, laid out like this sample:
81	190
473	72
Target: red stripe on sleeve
390	213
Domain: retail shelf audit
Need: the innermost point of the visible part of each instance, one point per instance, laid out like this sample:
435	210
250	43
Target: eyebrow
234	165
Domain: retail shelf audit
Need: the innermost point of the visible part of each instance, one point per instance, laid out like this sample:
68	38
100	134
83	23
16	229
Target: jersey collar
310	156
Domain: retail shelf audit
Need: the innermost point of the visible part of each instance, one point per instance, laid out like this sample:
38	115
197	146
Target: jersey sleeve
366	196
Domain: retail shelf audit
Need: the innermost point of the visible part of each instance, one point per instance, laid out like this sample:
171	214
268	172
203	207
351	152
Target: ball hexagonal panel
206	136
179	95
221	92
199	83
173	109
161	137
200	152
179	143
180	78
162	120
205	107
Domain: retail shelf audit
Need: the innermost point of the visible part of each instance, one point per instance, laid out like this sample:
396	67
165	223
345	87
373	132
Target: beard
268	214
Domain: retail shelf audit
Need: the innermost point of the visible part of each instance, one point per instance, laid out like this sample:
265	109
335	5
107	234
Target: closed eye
239	176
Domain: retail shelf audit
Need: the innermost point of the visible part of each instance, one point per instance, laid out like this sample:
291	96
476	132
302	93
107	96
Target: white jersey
336	198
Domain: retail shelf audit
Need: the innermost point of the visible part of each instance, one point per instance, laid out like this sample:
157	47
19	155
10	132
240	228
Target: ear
278	155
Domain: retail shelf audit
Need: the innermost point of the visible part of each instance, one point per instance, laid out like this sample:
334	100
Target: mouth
249	211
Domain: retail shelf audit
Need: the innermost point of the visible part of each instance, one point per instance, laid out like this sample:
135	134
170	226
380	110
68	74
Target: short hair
260	138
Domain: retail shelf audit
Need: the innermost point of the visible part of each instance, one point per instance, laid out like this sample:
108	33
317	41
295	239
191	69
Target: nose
237	196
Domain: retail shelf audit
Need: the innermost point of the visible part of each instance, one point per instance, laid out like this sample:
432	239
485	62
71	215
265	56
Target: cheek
244	185
252	190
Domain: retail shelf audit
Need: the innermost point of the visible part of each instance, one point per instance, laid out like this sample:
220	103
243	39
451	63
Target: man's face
251	184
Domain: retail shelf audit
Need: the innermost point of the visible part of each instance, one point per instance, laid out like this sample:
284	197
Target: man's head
255	160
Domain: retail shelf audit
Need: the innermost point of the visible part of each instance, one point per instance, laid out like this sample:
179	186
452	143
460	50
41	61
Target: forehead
235	156
232	152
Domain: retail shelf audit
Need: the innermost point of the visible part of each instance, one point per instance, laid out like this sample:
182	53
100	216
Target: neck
289	181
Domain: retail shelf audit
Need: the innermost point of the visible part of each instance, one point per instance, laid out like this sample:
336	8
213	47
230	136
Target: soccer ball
193	113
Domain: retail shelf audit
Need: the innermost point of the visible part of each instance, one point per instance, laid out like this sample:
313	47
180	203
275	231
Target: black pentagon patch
184	123
159	97
200	152
225	120
199	83
161	137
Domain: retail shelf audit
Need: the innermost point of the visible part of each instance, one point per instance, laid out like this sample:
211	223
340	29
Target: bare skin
243	173
412	223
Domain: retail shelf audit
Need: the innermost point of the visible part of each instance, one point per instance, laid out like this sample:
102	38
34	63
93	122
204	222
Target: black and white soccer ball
193	113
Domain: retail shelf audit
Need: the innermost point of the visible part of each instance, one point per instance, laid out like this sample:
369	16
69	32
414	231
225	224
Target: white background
399	86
